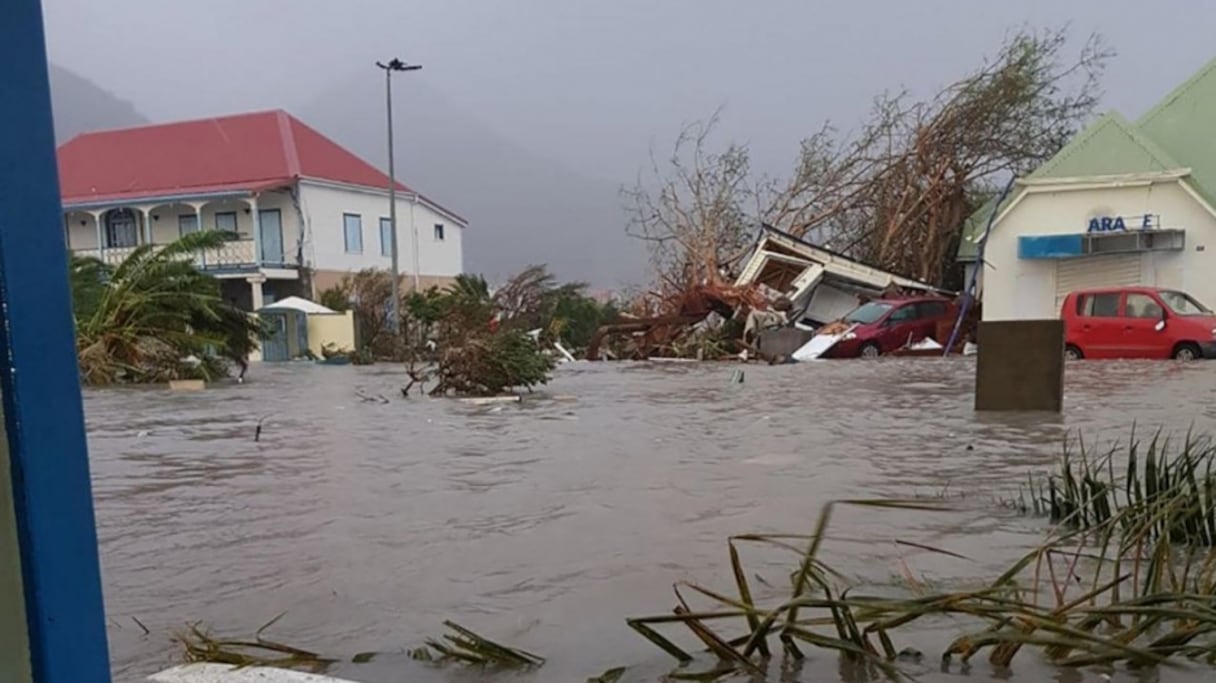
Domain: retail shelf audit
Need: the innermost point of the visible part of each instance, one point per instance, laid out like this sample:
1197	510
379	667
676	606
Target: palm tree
155	317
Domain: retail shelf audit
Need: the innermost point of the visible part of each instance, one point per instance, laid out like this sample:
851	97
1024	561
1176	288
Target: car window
1183	304
932	309
1141	306
1099	305
904	314
868	313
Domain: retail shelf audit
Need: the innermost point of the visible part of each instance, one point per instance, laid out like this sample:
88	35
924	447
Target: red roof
246	152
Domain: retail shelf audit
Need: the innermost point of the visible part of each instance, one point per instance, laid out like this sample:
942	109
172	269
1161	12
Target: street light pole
395	302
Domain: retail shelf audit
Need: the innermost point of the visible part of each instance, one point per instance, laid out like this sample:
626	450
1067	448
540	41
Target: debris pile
705	322
789	290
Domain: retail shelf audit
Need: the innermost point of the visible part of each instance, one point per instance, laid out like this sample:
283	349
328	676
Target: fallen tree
894	194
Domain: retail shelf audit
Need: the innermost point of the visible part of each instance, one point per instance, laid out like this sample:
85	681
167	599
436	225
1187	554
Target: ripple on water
556	519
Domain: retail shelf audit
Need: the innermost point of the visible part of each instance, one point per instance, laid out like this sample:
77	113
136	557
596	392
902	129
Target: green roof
1184	124
1180	132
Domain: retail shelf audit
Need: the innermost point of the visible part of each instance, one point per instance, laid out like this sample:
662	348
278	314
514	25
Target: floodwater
545	525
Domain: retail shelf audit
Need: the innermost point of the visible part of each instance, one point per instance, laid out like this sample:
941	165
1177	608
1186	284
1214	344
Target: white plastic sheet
818	345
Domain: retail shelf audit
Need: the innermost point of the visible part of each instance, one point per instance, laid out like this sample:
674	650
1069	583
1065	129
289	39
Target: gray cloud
593	85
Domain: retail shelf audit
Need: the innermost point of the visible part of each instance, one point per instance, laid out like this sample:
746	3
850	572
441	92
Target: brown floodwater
546	524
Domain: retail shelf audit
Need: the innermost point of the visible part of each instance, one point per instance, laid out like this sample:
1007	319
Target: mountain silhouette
522	208
80	105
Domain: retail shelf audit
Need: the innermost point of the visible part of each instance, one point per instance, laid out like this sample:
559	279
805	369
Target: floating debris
491	400
609	676
378	398
200	646
466	646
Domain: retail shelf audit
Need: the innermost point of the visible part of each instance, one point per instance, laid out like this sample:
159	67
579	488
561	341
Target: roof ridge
1112	117
1146	143
287	134
1074	144
1177	92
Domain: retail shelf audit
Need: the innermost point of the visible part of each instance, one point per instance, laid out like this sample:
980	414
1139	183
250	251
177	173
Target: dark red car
884	325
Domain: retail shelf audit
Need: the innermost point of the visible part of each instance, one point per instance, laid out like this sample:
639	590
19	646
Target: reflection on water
546	524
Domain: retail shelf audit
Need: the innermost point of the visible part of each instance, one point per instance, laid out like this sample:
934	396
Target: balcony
234	256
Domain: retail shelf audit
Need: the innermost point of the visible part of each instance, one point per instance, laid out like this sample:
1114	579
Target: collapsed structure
820	284
787	284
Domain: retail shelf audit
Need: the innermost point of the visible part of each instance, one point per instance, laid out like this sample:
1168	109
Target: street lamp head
398	65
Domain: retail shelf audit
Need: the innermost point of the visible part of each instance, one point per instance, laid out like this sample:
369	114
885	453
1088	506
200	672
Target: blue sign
1117	224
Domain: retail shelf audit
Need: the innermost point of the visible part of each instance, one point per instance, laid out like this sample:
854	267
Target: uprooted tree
895	193
467	339
696	221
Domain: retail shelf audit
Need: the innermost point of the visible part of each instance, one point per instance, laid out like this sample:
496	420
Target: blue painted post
970	292
43	419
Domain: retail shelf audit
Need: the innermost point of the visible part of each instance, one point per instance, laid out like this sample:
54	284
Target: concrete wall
1019	289
1020	365
331	328
325	279
324	207
14	638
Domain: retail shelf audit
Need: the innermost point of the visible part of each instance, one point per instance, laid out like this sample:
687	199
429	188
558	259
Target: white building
1122	204
305	210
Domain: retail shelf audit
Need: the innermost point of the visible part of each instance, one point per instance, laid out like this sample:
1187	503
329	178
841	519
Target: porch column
255	286
257	235
101	245
198	226
147	218
198	214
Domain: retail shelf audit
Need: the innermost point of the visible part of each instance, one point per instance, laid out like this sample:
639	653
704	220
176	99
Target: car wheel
871	350
1072	353
1186	352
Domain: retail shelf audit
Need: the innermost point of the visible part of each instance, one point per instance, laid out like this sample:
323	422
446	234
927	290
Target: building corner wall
322	208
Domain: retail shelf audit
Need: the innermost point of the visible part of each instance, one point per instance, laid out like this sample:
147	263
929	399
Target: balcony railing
231	255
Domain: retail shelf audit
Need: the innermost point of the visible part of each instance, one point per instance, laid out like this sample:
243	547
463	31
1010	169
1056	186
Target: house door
301	325
274	339
270	222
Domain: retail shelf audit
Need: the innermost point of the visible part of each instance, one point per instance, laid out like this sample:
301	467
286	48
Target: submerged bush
479	351
155	317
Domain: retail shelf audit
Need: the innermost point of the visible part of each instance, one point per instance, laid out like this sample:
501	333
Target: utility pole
395	303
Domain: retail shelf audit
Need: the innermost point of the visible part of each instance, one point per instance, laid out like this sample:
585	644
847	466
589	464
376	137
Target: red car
1137	322
885	325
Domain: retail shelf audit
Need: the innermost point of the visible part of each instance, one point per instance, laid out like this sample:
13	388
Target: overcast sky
595	84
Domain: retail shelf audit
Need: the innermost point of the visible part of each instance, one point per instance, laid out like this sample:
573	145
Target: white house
1122	204
306	211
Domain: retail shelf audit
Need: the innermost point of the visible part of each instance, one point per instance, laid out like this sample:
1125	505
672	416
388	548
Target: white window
439	232
225	221
187	224
386	237
352	230
122	229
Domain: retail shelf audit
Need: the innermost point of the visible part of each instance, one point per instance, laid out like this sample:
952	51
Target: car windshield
1184	304
868	313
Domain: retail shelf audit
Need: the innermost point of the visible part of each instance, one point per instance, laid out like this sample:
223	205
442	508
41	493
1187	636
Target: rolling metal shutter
1114	270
